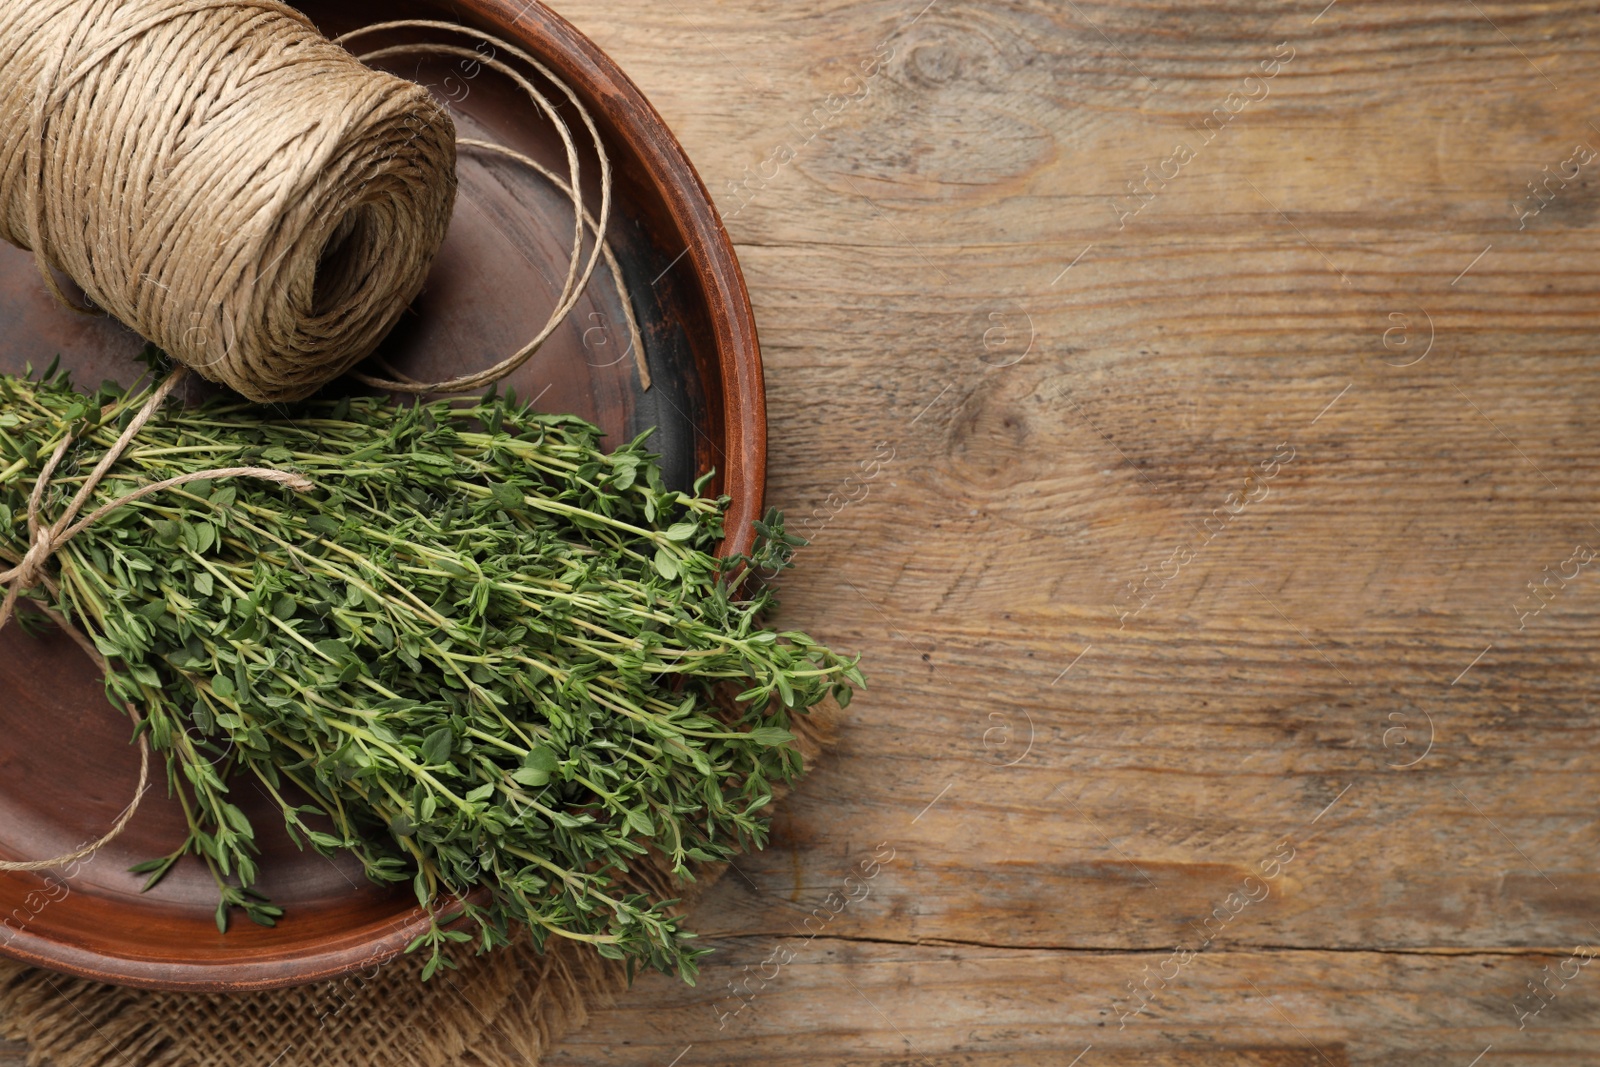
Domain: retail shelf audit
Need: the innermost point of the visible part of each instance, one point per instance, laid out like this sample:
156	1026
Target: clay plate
66	767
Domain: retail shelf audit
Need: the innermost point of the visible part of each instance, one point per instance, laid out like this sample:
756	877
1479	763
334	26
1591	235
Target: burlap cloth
505	1009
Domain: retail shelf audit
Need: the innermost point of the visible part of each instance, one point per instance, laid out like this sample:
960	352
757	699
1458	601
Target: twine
45	539
223	179
247	194
575	282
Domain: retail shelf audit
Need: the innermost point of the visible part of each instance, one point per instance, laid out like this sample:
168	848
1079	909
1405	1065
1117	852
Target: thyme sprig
483	655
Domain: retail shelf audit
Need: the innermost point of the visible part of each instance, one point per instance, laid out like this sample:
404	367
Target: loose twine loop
267	232
577	277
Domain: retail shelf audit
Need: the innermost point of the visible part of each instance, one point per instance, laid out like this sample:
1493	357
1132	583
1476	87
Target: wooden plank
848	1003
1063	425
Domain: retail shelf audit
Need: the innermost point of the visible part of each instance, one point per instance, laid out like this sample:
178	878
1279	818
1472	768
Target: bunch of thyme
483	654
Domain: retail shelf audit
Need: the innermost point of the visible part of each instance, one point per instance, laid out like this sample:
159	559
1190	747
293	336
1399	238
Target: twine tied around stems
45	539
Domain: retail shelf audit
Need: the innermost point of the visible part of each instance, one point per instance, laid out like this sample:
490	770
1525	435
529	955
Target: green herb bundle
482	655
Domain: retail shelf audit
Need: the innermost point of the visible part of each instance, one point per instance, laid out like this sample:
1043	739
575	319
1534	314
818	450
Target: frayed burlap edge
505	1009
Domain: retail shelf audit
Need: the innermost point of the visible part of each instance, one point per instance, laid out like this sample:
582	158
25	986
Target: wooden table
1193	417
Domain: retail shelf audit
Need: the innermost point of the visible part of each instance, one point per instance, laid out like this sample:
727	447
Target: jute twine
246	193
223	179
579	270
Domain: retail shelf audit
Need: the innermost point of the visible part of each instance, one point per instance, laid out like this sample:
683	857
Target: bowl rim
742	402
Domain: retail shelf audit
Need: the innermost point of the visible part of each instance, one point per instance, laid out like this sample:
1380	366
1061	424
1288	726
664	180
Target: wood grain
1070	793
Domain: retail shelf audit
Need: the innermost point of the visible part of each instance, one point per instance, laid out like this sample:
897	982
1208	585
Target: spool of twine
223	179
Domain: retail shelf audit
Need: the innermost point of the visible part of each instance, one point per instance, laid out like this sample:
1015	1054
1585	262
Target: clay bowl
66	767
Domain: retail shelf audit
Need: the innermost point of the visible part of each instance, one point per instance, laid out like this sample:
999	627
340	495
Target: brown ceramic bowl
66	767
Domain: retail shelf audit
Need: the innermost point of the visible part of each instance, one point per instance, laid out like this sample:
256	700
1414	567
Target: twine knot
45	539
28	573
